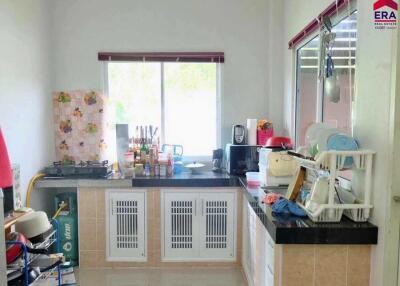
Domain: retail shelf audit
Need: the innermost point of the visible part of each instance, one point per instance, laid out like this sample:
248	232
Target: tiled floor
161	277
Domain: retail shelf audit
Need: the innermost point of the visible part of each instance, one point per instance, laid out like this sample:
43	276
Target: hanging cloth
5	166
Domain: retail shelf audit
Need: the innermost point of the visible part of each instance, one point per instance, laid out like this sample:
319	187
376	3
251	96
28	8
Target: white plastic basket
333	213
344	160
334	161
358	214
324	214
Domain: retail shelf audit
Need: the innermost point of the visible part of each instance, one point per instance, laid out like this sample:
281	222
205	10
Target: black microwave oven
241	159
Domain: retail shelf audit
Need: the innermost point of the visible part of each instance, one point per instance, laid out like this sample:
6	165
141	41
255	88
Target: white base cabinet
126	225
258	249
198	224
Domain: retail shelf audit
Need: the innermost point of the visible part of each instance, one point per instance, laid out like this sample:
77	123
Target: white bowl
195	167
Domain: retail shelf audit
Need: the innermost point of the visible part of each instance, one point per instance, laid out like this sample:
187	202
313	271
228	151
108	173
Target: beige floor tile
161	277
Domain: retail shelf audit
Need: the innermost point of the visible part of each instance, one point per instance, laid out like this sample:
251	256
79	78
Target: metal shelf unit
27	258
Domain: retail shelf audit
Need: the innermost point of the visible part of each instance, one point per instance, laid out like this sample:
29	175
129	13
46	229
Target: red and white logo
385	14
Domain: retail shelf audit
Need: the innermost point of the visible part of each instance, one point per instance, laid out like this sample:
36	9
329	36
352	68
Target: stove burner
63	163
97	163
81	164
88	169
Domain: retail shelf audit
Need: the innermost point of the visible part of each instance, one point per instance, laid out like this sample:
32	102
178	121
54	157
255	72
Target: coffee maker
238	135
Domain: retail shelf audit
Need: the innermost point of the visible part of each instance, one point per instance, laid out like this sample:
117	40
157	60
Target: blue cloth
284	206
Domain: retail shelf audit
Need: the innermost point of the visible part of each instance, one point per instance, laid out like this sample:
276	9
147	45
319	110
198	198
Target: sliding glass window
179	98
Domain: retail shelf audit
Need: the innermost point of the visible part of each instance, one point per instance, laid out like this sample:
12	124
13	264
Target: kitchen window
180	98
313	104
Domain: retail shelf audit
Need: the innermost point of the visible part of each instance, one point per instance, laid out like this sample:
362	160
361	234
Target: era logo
385	14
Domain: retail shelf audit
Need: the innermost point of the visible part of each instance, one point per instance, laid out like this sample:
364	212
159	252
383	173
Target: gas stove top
82	169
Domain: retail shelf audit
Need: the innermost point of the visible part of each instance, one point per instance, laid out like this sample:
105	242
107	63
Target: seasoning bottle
163	168
147	167
170	167
156	168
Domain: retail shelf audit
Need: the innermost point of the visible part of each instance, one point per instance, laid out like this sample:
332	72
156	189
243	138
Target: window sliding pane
307	87
135	92
190	106
339	114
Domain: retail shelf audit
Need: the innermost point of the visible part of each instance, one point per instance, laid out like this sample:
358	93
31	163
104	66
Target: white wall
25	102
375	60
82	28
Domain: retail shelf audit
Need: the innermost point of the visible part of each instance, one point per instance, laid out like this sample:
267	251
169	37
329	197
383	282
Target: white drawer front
269	251
269	276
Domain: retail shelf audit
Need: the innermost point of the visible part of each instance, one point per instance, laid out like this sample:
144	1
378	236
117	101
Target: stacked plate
320	137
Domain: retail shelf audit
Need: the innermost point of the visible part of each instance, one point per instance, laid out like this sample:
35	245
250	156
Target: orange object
271	198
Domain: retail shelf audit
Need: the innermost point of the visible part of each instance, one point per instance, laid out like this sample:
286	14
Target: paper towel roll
252	131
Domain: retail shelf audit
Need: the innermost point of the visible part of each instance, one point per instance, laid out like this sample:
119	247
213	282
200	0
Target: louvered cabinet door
126	226
217	225
180	226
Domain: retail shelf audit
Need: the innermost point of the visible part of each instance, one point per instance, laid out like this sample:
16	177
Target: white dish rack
334	161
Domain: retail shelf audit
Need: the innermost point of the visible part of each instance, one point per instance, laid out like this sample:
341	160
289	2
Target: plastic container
253	179
178	167
271	181
266	179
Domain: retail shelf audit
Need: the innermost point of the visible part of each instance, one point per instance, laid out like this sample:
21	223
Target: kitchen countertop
283	229
83	183
290	229
185	179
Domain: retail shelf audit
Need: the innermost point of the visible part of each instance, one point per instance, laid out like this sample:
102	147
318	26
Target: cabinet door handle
195	207
202	207
112	206
396	199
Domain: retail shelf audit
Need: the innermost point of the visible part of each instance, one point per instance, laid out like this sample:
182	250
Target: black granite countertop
290	229
187	179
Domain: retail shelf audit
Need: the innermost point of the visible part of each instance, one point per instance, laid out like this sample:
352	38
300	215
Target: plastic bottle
147	168
170	166
156	168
